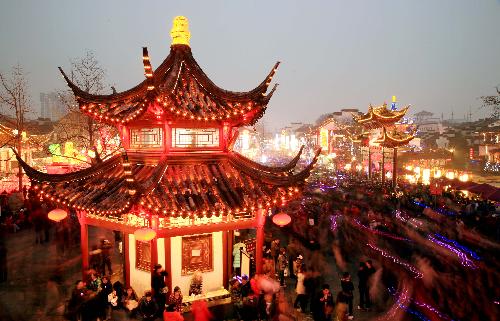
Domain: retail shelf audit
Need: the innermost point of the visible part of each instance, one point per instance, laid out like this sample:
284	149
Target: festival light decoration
281	219
145	234
460	254
404	296
416	273
57	215
358	224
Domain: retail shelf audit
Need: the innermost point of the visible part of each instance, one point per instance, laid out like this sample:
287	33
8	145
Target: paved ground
41	278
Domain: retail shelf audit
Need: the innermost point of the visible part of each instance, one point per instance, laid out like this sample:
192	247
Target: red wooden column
229	259
154	243
395	168
126	249
84	243
259	243
225	267
168	261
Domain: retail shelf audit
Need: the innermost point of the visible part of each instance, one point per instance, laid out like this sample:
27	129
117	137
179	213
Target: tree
493	102
14	95
84	131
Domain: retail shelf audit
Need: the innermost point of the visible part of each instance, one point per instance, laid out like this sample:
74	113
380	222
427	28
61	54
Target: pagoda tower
385	119
179	177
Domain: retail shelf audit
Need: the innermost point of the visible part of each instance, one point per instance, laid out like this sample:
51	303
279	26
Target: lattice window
195	137
143	256
146	138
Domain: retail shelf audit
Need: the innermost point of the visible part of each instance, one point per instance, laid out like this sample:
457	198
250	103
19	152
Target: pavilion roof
394	139
175	186
380	116
177	89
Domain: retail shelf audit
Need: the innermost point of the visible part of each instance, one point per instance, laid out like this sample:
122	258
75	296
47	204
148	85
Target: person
370	271
300	289
341	307
245	288
148	308
118	287
94	282
103	303
362	286
237	256
235	292
176	299
297	263
113	301
171	315
159	286
267	307
348	291
130	301
75	309
325	305
282	264
200	311
106	256
95	258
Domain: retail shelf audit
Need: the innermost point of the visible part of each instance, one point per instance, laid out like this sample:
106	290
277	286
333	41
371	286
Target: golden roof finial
180	31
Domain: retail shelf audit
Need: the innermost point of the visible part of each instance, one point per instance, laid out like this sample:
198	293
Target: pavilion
178	182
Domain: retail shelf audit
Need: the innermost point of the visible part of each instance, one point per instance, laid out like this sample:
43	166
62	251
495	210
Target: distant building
51	106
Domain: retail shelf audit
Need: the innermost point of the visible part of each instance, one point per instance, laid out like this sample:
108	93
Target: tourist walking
348	291
282	265
301	300
159	286
324	306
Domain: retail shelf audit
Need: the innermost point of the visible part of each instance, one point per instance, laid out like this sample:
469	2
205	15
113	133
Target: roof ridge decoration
177	89
394	139
180	31
279	169
380	116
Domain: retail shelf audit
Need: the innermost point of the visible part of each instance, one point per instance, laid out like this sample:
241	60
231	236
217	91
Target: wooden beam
208	228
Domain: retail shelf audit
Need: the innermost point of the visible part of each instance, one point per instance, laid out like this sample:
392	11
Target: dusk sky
438	55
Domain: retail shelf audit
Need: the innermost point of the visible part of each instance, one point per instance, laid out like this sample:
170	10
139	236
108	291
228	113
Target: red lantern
145	234
281	219
57	215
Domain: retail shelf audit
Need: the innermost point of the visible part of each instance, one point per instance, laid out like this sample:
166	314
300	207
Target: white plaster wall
211	280
140	281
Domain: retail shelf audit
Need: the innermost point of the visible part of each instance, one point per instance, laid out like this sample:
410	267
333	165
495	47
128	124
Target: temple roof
380	116
180	185
394	139
177	89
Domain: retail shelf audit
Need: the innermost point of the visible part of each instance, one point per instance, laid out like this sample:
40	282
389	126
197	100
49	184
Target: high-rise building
51	106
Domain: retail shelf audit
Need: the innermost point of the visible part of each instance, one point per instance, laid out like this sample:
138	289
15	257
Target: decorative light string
422	305
417	274
461	255
366	228
458	245
438	210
